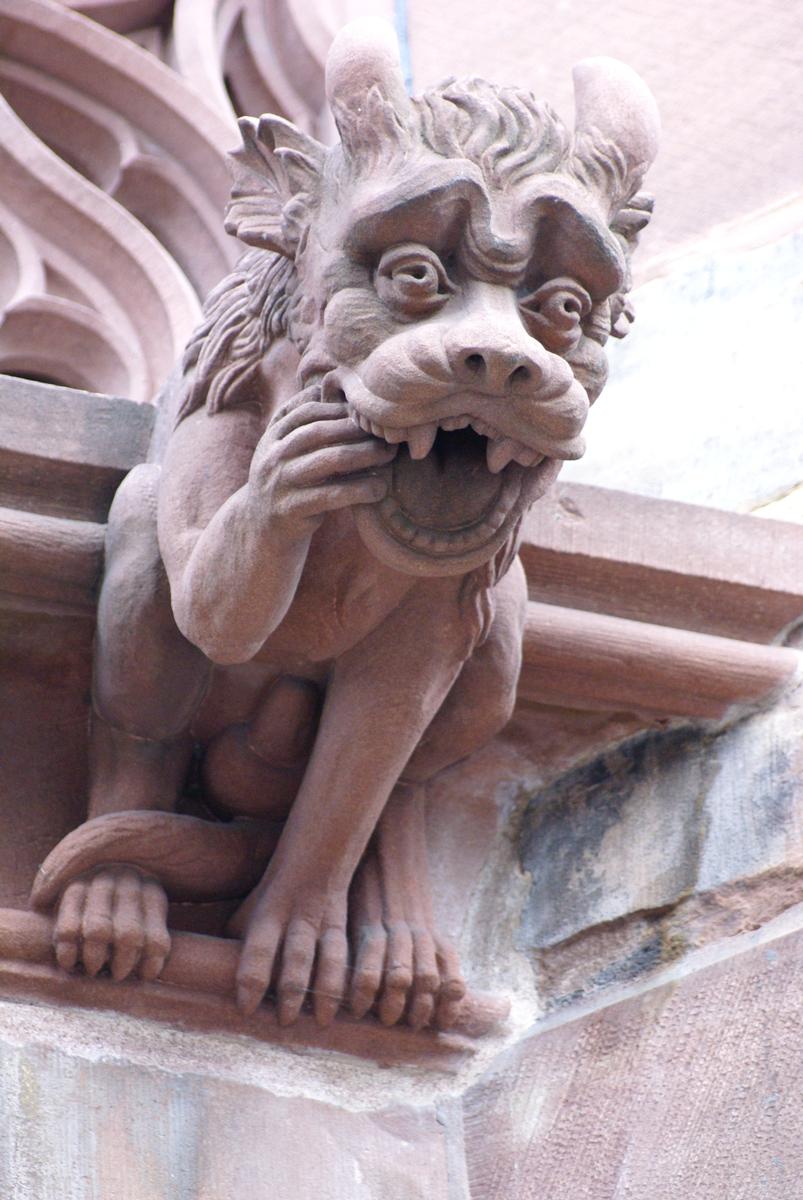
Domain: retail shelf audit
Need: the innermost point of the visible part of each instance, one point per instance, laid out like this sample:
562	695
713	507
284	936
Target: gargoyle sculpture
313	603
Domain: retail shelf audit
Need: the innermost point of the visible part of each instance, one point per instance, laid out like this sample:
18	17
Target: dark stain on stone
564	825
775	789
646	956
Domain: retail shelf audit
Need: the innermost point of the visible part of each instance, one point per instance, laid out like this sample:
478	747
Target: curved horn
365	85
614	103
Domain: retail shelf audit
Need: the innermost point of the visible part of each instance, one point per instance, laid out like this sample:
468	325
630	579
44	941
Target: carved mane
243	316
504	130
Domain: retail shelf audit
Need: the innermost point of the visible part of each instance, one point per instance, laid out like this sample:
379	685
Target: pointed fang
499	454
421	440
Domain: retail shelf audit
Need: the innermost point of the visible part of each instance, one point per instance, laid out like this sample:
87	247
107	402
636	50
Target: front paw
302	949
314	459
115	917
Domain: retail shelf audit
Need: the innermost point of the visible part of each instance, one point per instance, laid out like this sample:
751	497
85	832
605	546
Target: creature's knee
134	579
147	678
131	526
492	698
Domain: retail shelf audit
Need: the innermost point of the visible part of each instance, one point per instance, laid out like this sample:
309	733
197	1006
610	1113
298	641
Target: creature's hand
115	917
312	459
296	938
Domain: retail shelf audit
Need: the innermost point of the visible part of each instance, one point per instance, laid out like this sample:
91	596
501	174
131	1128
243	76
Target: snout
476	365
489	350
490	365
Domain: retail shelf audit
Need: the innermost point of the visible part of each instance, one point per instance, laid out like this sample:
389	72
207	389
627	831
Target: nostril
475	363
520	375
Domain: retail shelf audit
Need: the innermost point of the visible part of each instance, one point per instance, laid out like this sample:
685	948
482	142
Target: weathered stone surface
84	1127
615	836
689	1089
664	843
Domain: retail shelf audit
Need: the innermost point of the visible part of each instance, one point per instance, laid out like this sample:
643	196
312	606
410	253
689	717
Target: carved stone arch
115	177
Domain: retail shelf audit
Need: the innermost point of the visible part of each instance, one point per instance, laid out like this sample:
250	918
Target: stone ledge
64	452
664	562
196	989
55	559
577	659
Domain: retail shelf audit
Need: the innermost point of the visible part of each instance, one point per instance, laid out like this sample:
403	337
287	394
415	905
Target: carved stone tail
193	859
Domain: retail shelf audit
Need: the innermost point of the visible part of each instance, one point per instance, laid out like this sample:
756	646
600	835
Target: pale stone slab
87	1129
719	423
691	1089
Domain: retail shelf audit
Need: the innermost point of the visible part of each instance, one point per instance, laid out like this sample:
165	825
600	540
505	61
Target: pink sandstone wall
726	76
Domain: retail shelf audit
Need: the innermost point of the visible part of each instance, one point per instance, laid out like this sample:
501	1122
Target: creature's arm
238	508
382	695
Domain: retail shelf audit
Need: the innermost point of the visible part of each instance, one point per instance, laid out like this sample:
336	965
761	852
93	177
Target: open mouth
421	439
457	485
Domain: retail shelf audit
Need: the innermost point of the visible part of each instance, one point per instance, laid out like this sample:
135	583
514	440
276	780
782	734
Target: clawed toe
117	920
404	974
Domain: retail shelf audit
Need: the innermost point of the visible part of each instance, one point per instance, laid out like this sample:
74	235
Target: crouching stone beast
313	603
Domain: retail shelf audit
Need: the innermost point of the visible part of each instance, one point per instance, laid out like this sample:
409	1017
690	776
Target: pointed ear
616	129
366	91
276	177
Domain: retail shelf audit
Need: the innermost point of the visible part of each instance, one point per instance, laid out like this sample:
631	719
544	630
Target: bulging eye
412	279
554	313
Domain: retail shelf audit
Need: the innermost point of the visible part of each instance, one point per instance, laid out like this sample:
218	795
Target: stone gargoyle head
453	268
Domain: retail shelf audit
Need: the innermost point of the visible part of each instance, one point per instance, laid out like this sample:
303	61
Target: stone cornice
637	605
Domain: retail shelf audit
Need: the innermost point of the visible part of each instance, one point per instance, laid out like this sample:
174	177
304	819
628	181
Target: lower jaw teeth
450	541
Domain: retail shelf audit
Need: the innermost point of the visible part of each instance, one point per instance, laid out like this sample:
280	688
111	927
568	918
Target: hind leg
148	682
401	963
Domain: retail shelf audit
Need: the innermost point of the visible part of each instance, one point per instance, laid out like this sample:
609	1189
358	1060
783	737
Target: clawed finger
67	933
333	461
127	932
298	956
341	494
156	939
453	985
325	434
256	967
330	975
97	927
426	980
422	1008
366	978
298	412
398	974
